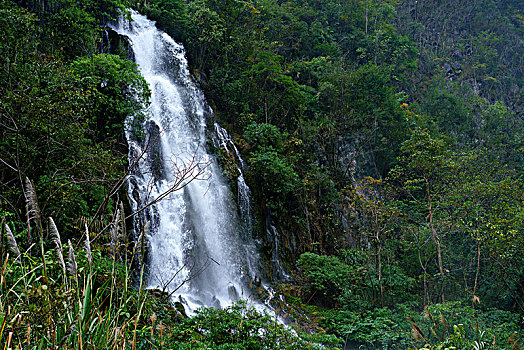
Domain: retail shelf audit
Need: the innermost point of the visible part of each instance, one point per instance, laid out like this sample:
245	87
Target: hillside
382	143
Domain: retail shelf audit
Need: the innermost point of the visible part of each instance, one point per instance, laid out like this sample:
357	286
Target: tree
423	178
270	166
206	32
119	93
488	212
376	220
49	117
363	103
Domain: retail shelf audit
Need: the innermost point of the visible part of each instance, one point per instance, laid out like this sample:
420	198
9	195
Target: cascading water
105	45
195	245
224	141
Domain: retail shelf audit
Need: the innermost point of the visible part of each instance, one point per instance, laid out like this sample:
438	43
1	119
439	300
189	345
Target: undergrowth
89	296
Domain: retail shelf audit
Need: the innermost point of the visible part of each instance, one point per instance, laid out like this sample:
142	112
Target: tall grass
86	303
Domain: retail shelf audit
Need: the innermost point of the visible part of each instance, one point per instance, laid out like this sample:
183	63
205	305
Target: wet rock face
452	70
233	293
155	154
456	66
446	69
174	310
113	43
458	54
356	158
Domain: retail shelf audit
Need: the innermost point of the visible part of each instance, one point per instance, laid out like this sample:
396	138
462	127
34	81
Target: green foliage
440	326
205	31
382	328
328	275
455	325
120	92
105	10
52	138
19	46
269	164
241	327
396	283
502	133
481	55
264	136
362	102
277	175
451	115
426	169
60	120
72	30
169	15
352	284
462	200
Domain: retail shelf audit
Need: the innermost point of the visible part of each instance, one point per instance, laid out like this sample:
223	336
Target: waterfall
223	140
105	44
198	247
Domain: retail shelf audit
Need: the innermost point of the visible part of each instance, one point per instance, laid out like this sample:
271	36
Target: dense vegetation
384	139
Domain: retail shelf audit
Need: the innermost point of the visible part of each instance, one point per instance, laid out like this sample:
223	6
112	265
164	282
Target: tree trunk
437	245
380	273
478	269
